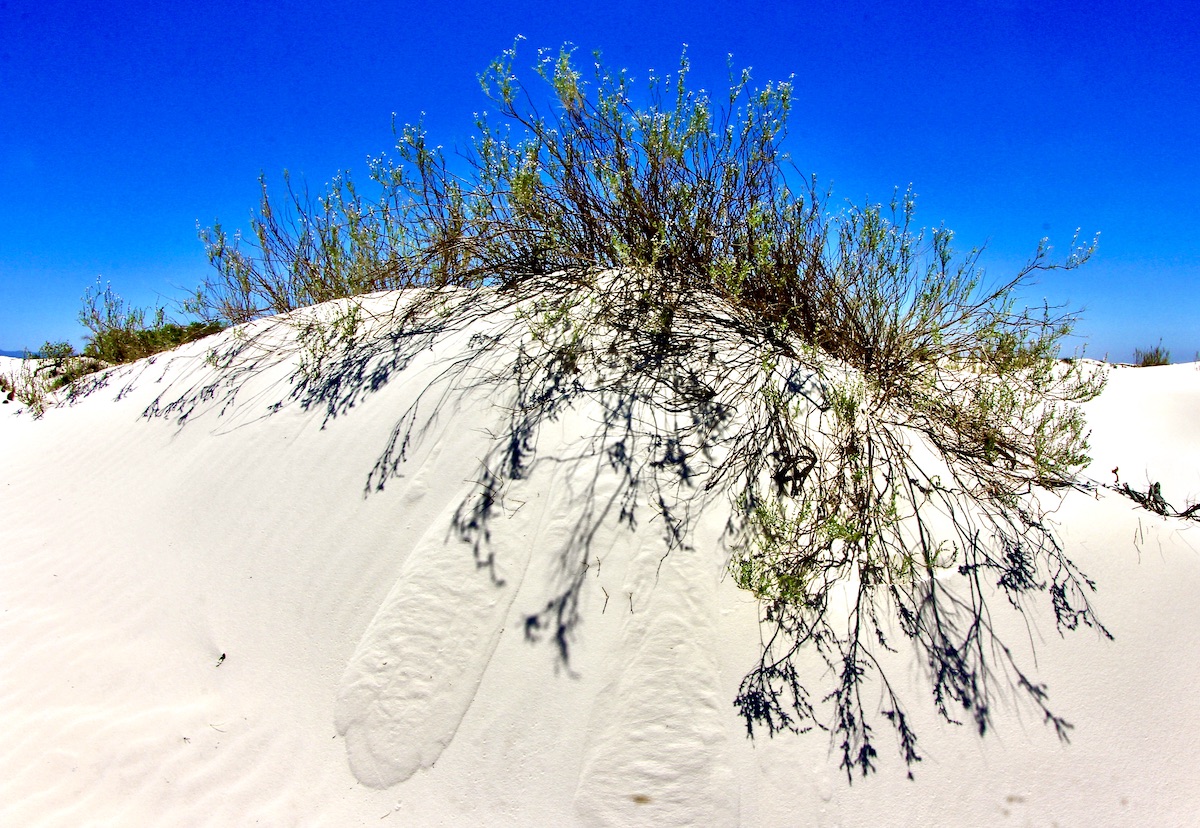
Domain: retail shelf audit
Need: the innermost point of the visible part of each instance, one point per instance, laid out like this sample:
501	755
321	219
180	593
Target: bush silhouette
899	414
1151	356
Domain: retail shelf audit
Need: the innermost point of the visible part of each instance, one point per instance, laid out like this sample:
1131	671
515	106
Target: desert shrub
60	365
27	388
1151	356
305	252
57	352
119	334
899	413
692	197
52	367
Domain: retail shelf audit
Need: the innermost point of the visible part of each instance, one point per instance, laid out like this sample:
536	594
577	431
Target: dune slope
237	590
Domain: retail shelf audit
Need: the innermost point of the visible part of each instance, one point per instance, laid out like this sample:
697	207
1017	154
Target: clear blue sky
123	124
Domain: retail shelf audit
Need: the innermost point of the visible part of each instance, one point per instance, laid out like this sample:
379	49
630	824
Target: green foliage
306	252
28	390
27	387
54	366
1151	356
119	334
60	364
633	237
691	195
57	352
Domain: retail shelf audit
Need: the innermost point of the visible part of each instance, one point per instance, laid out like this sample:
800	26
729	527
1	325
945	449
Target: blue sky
123	125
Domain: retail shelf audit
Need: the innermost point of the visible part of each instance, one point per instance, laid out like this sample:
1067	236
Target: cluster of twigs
1152	500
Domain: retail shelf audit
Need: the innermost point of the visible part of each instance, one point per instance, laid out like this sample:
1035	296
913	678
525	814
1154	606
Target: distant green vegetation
119	334
56	365
116	334
1151	356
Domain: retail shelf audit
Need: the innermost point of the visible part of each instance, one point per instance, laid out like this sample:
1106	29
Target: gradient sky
123	125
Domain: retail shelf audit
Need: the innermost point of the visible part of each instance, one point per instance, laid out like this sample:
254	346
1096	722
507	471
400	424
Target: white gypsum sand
226	596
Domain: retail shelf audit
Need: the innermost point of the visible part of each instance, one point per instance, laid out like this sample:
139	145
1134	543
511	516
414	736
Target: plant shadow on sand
691	413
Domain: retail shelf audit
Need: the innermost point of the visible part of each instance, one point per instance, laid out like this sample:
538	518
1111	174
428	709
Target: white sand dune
227	602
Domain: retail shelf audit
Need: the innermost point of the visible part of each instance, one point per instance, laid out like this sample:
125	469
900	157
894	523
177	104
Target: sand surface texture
230	597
